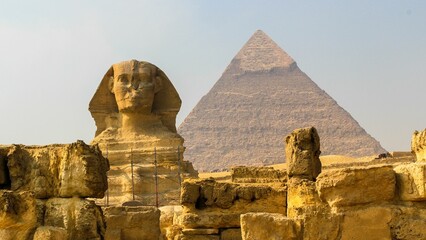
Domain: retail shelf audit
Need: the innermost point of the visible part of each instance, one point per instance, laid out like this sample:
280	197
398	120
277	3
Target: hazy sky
370	56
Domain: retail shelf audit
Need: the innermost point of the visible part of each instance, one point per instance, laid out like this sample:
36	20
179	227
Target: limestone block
302	153
199	237
411	181
231	234
367	224
321	224
80	217
408	223
131	223
200	231
18	215
304	202
301	194
356	185
64	170
190	192
173	232
167	214
244	174
255	226
209	220
202	194
418	145
50	233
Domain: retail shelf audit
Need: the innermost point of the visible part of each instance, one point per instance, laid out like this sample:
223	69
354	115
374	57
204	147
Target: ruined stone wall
383	199
212	209
44	190
380	201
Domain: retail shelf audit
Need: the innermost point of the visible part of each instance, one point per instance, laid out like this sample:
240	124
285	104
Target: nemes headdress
104	109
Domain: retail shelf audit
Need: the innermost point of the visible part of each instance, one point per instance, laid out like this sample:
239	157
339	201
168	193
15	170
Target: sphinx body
135	108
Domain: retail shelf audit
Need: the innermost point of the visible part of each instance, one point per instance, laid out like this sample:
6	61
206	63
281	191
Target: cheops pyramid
260	98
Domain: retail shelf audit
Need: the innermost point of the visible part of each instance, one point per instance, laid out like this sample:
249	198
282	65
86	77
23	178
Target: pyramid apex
261	53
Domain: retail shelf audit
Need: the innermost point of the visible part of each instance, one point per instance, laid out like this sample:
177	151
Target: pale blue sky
370	56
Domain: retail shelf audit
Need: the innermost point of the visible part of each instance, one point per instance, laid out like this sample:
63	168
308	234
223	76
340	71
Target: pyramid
260	98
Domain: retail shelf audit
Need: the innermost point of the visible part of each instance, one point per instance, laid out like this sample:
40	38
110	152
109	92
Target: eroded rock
418	145
128	223
202	194
369	224
302	153
81	218
50	233
18	215
356	185
58	170
231	234
408	223
411	181
255	226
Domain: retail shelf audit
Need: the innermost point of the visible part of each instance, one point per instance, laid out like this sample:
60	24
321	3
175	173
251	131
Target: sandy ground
325	161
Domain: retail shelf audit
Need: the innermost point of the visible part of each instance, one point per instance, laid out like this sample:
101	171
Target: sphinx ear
111	84
158	84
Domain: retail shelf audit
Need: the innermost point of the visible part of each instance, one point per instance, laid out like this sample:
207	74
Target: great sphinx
135	108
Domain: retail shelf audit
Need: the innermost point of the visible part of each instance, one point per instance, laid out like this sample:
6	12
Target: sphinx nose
135	84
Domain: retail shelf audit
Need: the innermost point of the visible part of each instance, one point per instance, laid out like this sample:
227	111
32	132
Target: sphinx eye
122	79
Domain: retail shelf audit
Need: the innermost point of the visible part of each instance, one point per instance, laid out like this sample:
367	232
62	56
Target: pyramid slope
246	115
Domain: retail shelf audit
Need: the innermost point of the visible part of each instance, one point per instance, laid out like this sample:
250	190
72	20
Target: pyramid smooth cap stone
261	53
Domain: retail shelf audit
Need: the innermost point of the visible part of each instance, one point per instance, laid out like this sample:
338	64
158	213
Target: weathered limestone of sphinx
135	108
418	145
302	153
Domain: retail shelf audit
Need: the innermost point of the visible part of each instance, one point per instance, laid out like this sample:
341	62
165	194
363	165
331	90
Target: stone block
357	185
167	215
81	218
199	237
418	145
190	192
200	231
321	224
231	234
408	223
132	222
50	233
206	194
18	215
411	181
301	194
59	170
302	149
255	226
367	224
209	220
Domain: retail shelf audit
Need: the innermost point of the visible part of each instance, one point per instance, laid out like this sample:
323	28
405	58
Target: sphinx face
134	90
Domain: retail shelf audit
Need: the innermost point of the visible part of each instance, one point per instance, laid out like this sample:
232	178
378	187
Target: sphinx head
134	87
